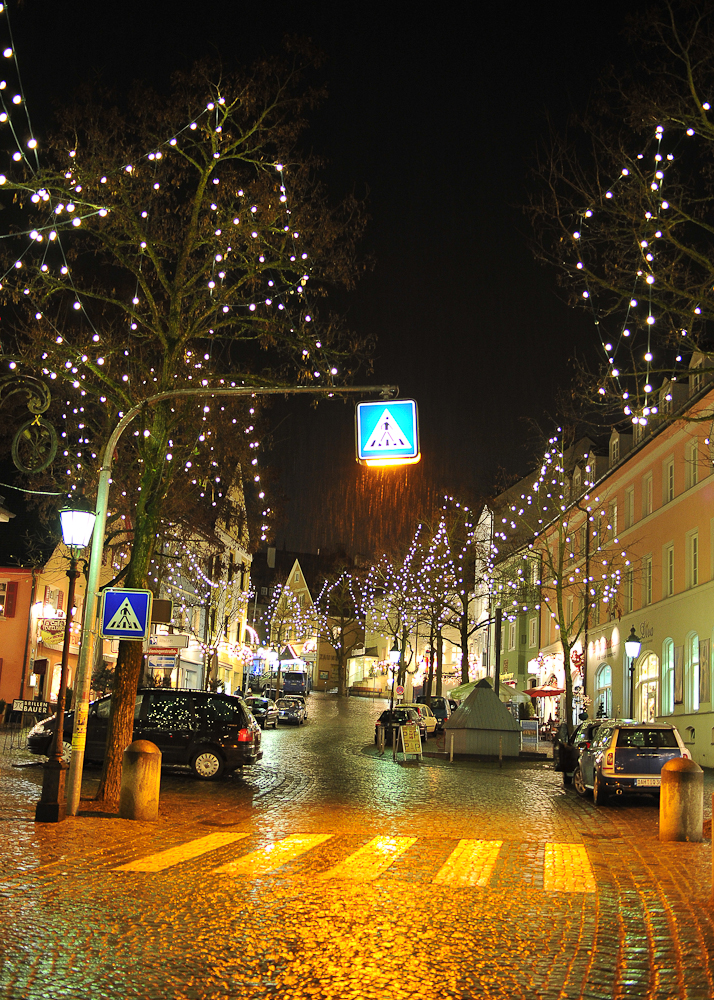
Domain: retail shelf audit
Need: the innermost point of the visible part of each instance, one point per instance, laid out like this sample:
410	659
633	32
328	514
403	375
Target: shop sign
51	631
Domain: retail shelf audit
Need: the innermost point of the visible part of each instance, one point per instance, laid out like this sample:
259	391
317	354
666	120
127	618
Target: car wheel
600	794
66	751
579	783
207	765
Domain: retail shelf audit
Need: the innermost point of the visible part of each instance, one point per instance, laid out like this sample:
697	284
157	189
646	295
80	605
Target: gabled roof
483	710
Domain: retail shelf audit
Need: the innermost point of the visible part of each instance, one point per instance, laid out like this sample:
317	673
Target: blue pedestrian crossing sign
126	614
387	433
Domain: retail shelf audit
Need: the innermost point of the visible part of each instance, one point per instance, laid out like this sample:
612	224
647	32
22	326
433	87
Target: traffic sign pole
83	675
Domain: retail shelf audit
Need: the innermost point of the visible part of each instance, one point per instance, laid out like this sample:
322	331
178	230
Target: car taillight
587	744
610	759
245	735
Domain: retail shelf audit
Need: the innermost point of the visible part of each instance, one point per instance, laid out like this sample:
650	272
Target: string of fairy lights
641	397
552	559
247	231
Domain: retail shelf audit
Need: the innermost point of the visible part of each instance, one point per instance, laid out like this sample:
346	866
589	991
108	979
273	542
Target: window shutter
11	599
60	600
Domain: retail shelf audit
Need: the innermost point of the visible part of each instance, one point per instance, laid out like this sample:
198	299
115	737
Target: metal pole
497	657
52	805
89	625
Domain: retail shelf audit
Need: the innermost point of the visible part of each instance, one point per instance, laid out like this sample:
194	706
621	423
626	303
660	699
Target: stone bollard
681	801
140	781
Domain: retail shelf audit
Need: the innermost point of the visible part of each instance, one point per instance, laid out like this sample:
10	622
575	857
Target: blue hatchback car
627	757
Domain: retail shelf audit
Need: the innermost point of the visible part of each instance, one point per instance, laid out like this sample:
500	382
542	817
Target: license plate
648	781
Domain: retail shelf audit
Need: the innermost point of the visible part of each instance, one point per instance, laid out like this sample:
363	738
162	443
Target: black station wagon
209	732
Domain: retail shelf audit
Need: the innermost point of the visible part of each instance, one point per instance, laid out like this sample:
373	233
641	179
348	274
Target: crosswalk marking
371	859
182	852
567	869
470	863
274	855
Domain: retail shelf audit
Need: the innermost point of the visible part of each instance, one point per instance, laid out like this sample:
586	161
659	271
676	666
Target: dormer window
577	480
614	450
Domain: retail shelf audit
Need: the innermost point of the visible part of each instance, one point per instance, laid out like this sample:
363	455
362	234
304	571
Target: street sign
126	614
176	640
387	432
399	689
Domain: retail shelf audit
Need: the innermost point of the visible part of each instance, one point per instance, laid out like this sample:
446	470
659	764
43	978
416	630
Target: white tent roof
483	710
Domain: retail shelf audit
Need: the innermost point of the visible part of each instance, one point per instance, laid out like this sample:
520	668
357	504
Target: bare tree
184	242
623	209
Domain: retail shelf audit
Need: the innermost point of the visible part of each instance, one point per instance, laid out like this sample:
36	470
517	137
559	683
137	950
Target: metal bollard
451	749
681	801
140	781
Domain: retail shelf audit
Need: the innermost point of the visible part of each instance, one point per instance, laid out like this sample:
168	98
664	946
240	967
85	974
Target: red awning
544	692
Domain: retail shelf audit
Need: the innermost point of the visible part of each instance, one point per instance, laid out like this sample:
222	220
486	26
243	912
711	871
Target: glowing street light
77	519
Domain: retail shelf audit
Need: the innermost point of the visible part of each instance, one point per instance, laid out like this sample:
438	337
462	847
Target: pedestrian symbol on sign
125	619
126	614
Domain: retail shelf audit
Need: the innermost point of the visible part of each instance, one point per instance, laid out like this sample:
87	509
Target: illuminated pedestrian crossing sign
126	614
387	433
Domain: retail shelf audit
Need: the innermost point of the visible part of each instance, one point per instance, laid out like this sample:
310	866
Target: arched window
667	688
603	691
647	687
691	673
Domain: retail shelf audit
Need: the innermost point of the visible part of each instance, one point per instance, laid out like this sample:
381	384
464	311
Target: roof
483	710
316	567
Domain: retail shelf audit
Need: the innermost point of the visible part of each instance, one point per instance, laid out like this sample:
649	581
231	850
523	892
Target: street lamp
77	519
633	645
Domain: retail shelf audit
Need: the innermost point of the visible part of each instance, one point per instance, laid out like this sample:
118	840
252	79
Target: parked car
290	710
566	754
265	711
453	704
430	720
439	706
299	698
626	757
390	721
209	732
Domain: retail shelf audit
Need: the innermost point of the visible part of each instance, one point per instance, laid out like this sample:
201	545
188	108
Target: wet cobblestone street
327	871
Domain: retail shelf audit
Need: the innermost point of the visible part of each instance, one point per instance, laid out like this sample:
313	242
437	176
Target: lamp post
633	644
394	656
77	523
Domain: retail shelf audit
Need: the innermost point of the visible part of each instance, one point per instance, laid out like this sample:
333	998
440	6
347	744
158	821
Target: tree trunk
439	661
568	688
121	718
341	673
465	638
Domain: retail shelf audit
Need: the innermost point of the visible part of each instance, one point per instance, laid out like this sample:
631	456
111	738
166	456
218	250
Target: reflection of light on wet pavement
567	869
470	863
184	852
274	855
371	860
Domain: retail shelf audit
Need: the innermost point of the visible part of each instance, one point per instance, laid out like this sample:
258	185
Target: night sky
437	115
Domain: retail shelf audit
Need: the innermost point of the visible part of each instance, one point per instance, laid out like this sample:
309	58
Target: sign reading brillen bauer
387	433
